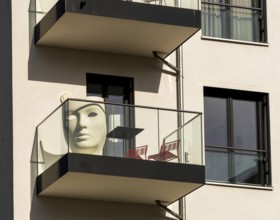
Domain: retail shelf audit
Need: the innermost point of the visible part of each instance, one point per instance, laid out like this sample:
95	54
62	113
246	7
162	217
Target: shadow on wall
46	208
67	66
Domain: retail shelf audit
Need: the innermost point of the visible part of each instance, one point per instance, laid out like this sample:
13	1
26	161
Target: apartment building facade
202	73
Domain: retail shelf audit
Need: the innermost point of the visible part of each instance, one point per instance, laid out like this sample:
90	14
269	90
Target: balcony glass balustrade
113	130
42	7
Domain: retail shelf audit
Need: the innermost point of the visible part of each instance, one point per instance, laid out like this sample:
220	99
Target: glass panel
191	4
115	145
43	7
52	139
245	25
89	127
217	165
169	133
147	119
231	22
216	125
211	20
249	167
192	139
245	128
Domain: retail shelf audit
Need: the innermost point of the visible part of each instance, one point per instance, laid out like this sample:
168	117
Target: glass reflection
217	165
216	121
245	129
248	167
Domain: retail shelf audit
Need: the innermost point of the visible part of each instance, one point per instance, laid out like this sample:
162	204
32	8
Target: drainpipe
180	106
178	73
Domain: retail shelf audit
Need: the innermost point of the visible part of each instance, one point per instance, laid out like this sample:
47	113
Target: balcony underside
119	179
117	27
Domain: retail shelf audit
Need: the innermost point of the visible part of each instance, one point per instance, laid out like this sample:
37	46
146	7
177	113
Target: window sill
234	41
268	188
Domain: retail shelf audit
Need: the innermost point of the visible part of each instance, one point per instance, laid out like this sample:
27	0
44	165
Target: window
117	90
236	137
243	20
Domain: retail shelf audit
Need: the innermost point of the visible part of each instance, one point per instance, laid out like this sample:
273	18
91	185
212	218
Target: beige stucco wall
42	74
243	67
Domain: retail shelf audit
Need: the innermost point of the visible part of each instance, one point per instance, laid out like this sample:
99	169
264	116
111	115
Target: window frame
263	18
263	132
101	85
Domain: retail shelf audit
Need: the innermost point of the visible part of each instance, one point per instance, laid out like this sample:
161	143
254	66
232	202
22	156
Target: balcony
136	27
101	151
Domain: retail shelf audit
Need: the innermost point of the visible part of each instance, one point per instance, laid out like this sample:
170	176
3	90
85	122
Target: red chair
136	153
165	154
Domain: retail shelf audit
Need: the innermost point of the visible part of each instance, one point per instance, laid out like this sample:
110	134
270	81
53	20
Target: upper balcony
102	151
131	27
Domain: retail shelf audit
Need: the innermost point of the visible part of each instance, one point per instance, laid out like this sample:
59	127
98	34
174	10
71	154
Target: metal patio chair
165	153
137	152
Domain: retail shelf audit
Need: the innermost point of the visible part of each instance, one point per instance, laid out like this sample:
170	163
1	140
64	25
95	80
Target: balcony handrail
183	125
137	106
118	104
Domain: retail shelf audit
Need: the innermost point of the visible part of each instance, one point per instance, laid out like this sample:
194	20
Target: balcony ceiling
118	179
119	27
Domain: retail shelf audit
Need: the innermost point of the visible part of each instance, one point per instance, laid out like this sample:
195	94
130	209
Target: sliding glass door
117	90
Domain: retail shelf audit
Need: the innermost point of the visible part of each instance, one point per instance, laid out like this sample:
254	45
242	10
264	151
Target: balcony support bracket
159	204
177	71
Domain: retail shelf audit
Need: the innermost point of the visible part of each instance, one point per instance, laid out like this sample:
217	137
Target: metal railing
42	7
115	130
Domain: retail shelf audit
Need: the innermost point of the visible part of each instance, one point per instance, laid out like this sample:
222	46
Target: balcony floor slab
117	27
119	179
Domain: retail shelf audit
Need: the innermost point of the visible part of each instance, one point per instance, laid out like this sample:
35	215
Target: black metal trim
137	11
236	149
231	6
263	125
125	167
49	20
6	112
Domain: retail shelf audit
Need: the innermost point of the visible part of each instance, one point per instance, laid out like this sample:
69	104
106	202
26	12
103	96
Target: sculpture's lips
82	136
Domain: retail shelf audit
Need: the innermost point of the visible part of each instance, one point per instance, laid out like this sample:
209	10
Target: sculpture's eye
72	117
92	114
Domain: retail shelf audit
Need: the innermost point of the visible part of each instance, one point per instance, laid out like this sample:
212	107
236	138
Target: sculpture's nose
83	121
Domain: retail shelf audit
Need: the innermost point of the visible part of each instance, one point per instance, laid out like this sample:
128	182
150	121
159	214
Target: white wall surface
244	67
42	74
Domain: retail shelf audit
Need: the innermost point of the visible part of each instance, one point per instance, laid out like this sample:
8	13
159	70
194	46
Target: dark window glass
236	137
217	165
117	90
248	167
216	121
245	124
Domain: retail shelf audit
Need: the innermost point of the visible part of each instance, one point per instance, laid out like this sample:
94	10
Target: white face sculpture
87	128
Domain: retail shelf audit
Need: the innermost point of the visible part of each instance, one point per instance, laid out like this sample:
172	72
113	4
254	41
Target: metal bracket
177	71
82	4
159	204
